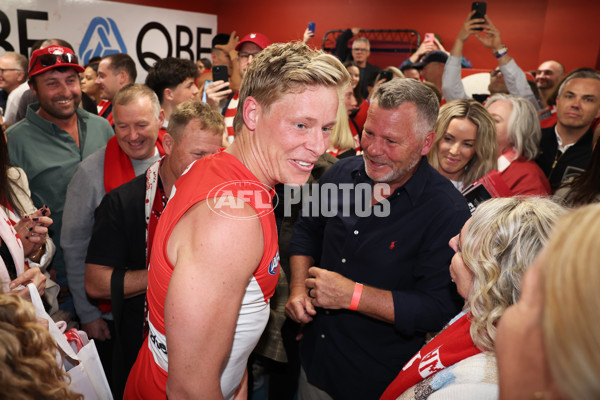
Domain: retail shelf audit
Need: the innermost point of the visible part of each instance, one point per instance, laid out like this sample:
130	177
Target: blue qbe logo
101	39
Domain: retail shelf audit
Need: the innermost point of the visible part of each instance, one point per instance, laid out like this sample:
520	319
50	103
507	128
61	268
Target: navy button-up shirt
346	353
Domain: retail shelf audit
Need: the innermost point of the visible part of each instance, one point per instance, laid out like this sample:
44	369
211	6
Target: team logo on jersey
274	266
101	39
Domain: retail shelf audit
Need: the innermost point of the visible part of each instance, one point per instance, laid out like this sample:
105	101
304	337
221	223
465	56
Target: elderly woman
549	342
518	137
465	143
493	250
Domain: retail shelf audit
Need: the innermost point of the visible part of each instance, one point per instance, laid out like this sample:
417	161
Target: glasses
359	49
47	60
2	70
247	55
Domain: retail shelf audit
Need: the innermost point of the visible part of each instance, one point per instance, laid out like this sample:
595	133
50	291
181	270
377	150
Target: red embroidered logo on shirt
392	245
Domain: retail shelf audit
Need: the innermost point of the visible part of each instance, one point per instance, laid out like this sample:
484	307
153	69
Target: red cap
257	38
36	65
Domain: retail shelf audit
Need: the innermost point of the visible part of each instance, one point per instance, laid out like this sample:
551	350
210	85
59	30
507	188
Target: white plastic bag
88	376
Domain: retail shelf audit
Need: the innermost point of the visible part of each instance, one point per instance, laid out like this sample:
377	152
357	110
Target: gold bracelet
37	256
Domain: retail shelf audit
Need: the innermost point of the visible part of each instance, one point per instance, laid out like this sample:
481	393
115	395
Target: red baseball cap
257	38
50	57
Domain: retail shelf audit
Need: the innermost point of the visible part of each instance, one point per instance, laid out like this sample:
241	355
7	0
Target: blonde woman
465	144
492	252
28	367
549	342
342	141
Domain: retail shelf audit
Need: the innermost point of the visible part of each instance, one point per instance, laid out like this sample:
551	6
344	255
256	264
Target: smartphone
480	8
220	74
387	75
311	27
429	38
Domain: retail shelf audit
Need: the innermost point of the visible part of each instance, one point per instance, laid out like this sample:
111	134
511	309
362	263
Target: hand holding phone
387	75
220	74
311	27
480	8
429	38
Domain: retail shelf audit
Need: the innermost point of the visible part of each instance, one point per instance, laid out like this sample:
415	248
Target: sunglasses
48	60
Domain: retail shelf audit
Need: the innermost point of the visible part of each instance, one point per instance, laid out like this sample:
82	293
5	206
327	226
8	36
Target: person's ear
168	94
168	143
251	112
428	143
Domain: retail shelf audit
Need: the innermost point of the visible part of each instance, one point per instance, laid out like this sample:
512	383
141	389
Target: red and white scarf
452	345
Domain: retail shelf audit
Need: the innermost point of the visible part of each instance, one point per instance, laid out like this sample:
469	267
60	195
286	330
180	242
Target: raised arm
214	258
452	85
514	77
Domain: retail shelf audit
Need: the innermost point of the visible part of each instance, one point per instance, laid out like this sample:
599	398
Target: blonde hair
500	243
485	158
524	131
572	303
283	68
28	367
341	135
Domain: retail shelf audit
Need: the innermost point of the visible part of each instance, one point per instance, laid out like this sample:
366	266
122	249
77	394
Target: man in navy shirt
370	262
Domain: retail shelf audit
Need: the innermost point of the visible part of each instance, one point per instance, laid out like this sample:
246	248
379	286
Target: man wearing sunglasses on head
55	136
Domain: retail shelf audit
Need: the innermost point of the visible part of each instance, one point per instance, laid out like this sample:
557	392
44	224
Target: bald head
549	73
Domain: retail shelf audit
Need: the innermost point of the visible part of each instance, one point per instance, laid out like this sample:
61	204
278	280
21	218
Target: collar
50	127
414	187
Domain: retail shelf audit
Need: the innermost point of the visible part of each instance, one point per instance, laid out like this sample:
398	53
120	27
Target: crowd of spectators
348	286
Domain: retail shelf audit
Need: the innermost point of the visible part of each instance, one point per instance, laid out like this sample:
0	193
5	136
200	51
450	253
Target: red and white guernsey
148	377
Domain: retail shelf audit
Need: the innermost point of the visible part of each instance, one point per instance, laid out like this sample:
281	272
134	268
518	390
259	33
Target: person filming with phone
218	90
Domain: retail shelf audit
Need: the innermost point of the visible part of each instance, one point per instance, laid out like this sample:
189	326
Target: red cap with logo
50	57
257	38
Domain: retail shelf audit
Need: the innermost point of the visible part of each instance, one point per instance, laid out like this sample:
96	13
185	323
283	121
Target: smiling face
108	80
501	111
88	82
578	103
59	93
456	148
292	133
391	146
548	75
460	273
12	76
136	127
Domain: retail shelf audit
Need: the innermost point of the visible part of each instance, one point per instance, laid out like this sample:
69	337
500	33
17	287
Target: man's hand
355	31
299	306
214	95
32	275
229	47
491	36
97	329
329	289
470	27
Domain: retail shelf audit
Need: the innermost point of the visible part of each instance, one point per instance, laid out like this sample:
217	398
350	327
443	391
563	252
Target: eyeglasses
360	49
247	55
8	69
47	60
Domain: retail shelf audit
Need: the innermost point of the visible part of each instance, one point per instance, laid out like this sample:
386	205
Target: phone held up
429	38
480	8
387	75
220	74
311	27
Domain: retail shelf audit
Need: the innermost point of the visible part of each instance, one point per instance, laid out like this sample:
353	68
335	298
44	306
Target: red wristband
358	288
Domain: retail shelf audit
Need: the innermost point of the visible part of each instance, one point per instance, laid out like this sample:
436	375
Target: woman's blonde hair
341	135
524	130
571	311
500	243
485	158
28	367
